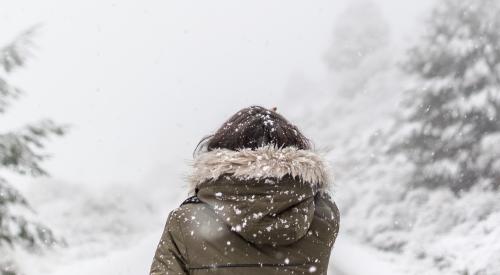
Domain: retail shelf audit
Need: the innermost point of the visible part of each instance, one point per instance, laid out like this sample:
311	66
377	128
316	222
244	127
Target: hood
265	195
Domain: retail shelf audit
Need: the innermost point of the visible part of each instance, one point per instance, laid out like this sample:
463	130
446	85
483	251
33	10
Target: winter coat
262	211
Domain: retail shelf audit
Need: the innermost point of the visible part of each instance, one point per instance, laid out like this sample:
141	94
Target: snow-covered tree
21	152
359	31
360	50
452	127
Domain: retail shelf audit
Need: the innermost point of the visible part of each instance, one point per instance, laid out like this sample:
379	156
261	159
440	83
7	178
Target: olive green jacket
263	211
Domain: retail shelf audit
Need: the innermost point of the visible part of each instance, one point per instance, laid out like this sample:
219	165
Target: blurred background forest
102	104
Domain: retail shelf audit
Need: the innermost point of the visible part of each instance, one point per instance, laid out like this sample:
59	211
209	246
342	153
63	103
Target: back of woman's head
255	127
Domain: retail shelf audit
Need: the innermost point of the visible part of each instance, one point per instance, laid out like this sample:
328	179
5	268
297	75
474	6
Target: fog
141	83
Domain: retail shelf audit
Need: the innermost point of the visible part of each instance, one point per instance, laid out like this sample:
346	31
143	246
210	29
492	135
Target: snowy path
336	271
351	258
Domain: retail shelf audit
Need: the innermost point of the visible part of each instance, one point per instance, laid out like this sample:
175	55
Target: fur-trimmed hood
261	163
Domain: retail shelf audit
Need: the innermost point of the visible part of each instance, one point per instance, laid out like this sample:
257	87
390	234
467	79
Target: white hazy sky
142	81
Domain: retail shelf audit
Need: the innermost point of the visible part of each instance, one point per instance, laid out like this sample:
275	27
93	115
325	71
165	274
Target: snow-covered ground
353	258
116	232
111	231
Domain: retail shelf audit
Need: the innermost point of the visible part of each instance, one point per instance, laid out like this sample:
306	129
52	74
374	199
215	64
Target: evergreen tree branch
20	151
9	195
7	94
16	53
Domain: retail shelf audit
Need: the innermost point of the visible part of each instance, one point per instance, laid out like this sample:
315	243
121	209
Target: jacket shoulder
188	210
327	210
182	219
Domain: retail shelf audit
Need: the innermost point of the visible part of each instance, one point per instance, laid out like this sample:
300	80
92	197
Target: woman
260	204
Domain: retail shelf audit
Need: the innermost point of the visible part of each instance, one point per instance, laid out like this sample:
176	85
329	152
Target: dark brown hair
254	127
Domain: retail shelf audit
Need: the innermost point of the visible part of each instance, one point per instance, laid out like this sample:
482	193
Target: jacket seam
247	265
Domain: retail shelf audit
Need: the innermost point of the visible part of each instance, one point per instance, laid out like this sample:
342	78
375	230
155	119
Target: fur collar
263	162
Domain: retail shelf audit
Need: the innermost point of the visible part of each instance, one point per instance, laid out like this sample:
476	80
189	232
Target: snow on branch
20	151
17	52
